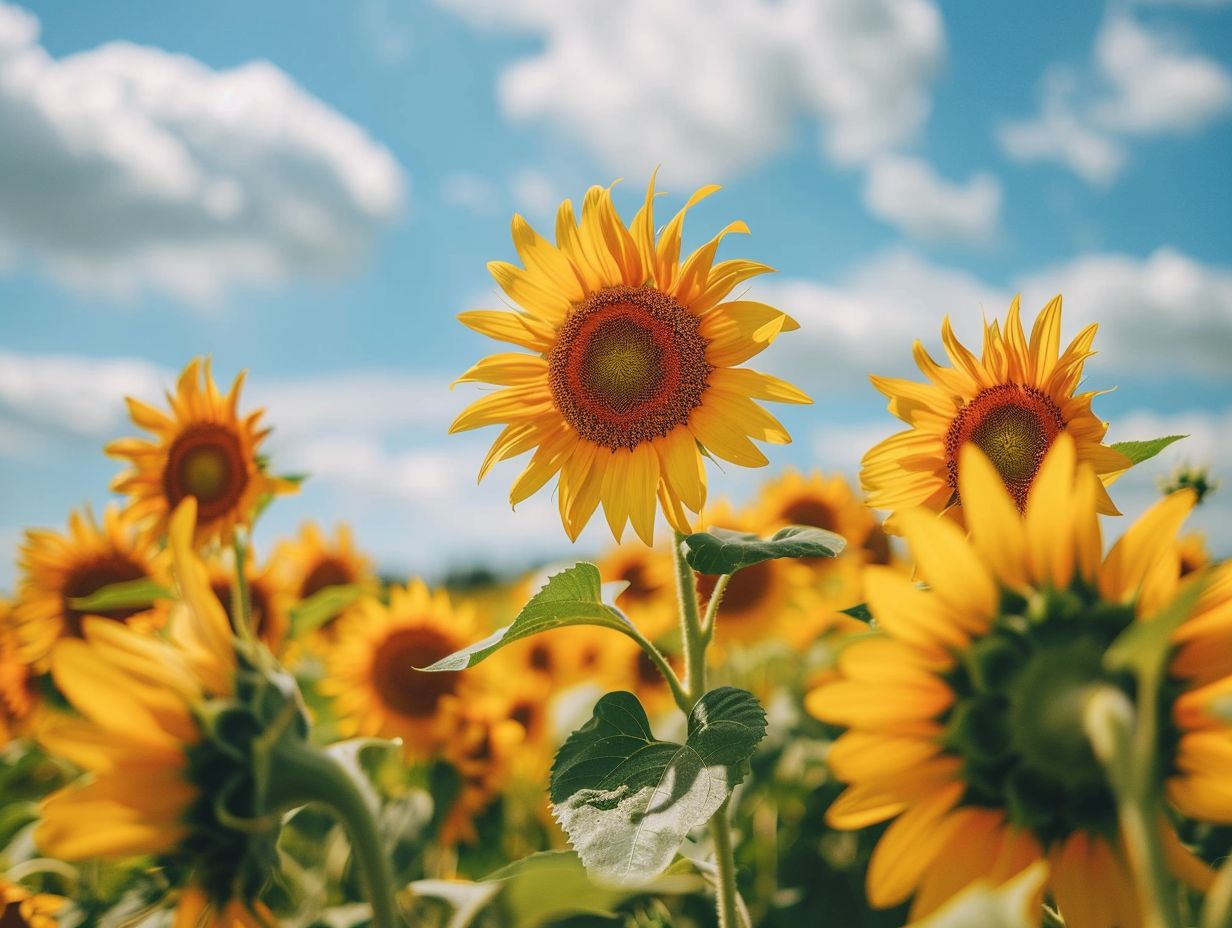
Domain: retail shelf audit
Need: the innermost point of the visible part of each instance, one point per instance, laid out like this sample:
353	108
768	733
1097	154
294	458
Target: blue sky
311	191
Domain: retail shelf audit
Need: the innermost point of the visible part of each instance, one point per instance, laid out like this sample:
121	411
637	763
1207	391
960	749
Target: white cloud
1160	316
909	194
127	168
707	88
534	193
1141	82
471	192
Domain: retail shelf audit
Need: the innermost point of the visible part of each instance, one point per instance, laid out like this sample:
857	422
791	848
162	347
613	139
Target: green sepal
1139	451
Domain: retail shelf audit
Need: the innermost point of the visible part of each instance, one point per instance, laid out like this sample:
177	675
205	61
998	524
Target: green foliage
627	800
571	597
1139	451
130	594
322	607
860	612
724	551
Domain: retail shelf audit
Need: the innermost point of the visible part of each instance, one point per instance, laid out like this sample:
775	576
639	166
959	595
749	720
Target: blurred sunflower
371	668
649	600
964	714
625	666
152	776
269	603
770	600
22	909
632	374
57	569
1011	403
18	696
203	449
1194	554
482	746
311	563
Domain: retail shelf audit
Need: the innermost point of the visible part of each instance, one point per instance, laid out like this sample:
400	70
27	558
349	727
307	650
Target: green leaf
571	597
1139	451
860	612
723	551
547	887
323	606
130	594
627	800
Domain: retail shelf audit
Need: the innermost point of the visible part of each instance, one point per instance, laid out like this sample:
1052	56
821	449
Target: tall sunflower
1011	403
152	777
203	449
371	669
57	569
631	376
964	711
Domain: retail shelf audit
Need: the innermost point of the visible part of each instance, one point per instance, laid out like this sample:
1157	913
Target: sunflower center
88	579
258	604
10	915
747	590
1017	719
877	544
401	687
329	571
1014	425
207	462
809	511
640	588
629	365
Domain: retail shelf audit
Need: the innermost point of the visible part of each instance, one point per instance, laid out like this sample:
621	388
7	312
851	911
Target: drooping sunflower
964	711
371	668
1011	403
57	569
311	562
152	778
20	908
202	449
632	373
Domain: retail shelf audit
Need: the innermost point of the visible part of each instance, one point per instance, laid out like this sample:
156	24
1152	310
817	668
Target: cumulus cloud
908	193
1140	82
708	89
128	168
1159	316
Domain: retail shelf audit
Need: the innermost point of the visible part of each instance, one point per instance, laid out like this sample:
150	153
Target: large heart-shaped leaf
1139	451
627	800
724	551
571	597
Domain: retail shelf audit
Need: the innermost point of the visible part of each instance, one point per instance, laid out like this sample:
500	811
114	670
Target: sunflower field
929	694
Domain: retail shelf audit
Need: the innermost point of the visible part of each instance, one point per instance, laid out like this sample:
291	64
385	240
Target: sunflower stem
696	636
692	639
725	879
712	607
241	595
307	774
665	669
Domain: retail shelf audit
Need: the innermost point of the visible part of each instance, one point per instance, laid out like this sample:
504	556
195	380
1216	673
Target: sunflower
625	666
22	909
770	600
269	602
1011	403
151	774
203	449
649	598
947	733
371	669
56	569
311	563
632	373
482	746
18	694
